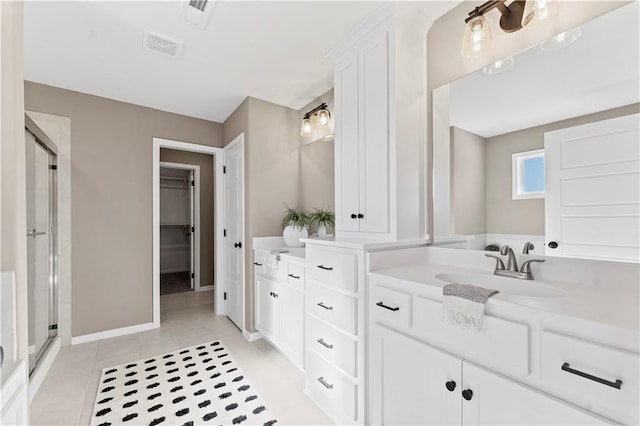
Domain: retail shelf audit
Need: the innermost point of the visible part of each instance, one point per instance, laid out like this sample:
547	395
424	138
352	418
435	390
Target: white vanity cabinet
379	128
424	371
279	299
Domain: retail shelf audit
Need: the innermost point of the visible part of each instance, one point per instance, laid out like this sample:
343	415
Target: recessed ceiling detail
161	44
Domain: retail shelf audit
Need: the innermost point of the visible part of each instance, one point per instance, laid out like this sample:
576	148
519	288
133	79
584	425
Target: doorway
180	227
41	190
216	158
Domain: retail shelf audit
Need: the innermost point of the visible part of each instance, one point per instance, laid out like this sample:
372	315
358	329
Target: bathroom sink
510	287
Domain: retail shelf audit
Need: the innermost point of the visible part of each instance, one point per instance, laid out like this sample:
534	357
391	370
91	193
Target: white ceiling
269	50
596	73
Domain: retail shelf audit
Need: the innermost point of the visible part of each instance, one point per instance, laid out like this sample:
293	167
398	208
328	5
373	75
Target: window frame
517	159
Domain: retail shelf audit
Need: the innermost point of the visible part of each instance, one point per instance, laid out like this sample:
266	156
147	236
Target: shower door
41	245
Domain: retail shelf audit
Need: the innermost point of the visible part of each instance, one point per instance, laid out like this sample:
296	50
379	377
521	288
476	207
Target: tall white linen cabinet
380	154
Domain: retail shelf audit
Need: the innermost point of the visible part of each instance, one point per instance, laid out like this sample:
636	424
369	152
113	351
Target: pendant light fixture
539	11
320	115
477	37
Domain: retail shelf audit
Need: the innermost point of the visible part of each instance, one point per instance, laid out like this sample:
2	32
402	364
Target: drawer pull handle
326	268
324	383
328	308
382	305
617	384
325	344
295	277
257	264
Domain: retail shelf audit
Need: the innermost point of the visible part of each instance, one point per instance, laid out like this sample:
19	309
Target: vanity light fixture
519	13
499	66
561	40
323	118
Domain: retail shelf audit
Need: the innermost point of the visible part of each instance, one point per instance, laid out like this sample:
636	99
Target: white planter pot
292	235
322	230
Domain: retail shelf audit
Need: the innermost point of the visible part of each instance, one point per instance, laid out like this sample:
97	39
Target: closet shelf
174	246
175	225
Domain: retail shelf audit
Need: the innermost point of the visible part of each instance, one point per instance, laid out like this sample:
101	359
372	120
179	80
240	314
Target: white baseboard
44	365
251	337
205	288
112	333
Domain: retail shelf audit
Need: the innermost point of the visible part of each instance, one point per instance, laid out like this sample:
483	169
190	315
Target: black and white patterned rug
197	385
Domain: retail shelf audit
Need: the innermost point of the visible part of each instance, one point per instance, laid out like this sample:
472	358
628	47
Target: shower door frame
52	150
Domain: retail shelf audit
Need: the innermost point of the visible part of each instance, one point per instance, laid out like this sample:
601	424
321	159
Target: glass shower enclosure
41	185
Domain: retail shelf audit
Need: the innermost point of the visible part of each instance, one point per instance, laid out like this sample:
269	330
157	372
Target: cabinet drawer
335	268
501	344
335	308
295	275
332	345
566	360
331	387
391	307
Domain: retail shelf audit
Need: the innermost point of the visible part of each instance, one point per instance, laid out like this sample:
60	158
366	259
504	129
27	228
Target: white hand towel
463	305
272	261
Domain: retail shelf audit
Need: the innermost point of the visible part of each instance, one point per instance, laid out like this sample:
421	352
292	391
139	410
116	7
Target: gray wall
271	161
317	179
207	207
507	216
111	207
468	191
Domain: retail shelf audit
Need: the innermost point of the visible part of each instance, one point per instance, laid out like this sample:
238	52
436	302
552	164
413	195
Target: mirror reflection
544	147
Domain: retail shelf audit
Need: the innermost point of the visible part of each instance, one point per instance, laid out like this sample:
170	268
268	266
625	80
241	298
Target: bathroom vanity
549	352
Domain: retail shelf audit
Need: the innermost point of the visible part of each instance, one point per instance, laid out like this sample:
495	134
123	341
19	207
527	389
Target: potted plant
324	219
294	226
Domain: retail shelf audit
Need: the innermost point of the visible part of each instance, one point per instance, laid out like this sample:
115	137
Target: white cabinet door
411	382
346	144
291	336
373	67
496	400
266	308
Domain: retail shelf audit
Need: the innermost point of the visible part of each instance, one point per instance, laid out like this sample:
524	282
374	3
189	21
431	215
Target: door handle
257	264
237	245
467	394
353	216
360	216
35	233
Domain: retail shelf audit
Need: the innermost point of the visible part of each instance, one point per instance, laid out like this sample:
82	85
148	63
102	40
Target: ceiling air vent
197	11
161	44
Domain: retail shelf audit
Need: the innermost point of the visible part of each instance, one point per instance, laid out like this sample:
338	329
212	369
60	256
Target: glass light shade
539	11
561	40
324	117
499	66
477	37
306	128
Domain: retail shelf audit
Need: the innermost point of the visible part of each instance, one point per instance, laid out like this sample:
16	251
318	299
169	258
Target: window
528	174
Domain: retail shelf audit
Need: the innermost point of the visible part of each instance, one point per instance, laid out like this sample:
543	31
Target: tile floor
69	390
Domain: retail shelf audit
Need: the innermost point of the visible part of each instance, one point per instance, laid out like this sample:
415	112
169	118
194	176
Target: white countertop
361	244
611	305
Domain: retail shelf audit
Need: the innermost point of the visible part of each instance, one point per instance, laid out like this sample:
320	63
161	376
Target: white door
413	383
490	399
192	233
291	322
234	226
346	144
267	313
373	67
592	187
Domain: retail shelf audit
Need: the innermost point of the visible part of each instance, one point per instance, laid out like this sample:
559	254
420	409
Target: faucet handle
526	266
504	249
528	246
499	262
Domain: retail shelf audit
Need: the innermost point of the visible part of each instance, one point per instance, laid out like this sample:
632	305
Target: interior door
234	225
592	189
192	233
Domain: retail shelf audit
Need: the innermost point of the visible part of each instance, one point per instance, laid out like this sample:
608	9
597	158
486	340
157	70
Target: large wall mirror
546	148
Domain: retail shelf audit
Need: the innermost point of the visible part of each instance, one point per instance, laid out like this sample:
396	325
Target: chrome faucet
511	269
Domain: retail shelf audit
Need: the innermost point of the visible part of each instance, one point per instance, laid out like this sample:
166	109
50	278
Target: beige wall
507	216
317	179
271	175
207	206
13	243
111	160
468	182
